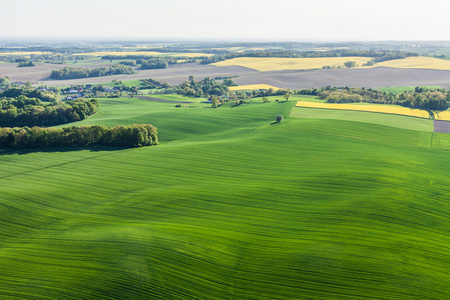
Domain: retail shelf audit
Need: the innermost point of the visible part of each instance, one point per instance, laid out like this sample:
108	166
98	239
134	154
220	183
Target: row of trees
130	63
73	73
38	137
27	63
422	98
24	111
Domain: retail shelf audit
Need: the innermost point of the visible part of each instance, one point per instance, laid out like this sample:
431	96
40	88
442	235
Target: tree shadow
22	151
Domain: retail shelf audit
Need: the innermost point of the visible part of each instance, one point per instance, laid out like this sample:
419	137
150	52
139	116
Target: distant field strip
24	53
150	53
252	87
280	63
404	111
442	116
400	89
417	63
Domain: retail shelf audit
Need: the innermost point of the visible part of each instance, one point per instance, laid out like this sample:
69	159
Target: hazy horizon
249	20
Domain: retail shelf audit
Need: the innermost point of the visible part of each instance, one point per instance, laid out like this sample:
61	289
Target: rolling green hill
229	206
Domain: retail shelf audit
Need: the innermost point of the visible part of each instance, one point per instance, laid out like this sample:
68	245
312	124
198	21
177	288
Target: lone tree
214	102
288	94
350	64
279	118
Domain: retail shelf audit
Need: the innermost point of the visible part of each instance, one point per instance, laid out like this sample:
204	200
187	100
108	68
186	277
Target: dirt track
294	79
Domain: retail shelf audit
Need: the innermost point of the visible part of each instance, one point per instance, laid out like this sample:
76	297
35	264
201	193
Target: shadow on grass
274	122
22	151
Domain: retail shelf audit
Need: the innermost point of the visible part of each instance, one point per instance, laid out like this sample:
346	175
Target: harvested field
442	116
264	64
293	79
385	109
417	63
149	53
376	77
252	87
40	73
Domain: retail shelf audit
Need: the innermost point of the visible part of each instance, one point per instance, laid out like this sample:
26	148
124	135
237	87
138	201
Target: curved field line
418	113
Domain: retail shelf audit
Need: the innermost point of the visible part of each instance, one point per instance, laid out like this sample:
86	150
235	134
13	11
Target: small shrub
279	118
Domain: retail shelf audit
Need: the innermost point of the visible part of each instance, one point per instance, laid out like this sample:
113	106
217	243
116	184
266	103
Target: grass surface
403	122
400	89
231	207
378	108
127	83
277	63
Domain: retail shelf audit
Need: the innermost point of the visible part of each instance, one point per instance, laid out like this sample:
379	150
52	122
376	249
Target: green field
127	83
175	97
400	89
340	205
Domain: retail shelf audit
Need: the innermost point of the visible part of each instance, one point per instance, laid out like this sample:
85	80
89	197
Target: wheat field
419	62
280	63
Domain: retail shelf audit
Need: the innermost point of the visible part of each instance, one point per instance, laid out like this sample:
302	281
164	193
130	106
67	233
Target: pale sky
228	19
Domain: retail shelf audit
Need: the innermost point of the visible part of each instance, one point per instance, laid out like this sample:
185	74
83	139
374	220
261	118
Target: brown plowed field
441	126
294	79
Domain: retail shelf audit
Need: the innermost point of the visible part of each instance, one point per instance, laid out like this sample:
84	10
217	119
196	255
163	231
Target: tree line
24	111
47	96
93	135
28	63
377	56
420	97
73	73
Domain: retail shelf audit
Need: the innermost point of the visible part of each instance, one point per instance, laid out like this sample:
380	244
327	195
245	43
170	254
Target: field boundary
419	113
161	100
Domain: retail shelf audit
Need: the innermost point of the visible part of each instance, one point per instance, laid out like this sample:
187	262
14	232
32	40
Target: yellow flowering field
442	116
385	109
418	62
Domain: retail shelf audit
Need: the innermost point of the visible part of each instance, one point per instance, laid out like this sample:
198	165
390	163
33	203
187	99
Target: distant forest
74	73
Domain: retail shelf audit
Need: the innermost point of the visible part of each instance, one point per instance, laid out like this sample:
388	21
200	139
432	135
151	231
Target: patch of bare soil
441	126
